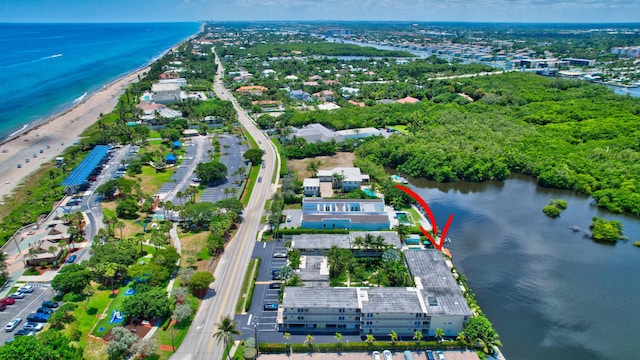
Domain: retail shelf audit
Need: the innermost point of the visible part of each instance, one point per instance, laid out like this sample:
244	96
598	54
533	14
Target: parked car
440	355
38	317
33	326
24	332
275	274
17	295
44	310
274	285
376	355
72	258
12	324
387	355
3	306
50	304
8	301
270	307
430	355
280	255
26	289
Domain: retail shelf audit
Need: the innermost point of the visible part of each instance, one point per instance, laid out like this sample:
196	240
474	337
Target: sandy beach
58	133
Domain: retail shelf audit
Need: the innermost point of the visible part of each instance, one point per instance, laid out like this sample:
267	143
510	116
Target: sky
596	11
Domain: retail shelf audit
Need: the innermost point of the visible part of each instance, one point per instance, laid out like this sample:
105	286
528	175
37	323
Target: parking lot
22	308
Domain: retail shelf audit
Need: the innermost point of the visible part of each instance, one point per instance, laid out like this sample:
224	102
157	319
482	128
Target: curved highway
223	294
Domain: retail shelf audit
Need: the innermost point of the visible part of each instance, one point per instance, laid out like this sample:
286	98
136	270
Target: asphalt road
223	294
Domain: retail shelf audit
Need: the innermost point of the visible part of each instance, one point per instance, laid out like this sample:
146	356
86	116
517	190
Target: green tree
151	304
370	339
254	156
481	334
182	312
127	209
417	336
394	336
439	335
211	172
200	281
226	328
120	343
72	278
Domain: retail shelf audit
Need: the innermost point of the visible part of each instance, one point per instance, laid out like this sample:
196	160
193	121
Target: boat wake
34	61
51	57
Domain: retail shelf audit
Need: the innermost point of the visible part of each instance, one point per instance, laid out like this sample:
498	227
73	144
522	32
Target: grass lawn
192	244
246	284
116	304
86	314
400	128
252	180
414	215
154	134
164	337
150	181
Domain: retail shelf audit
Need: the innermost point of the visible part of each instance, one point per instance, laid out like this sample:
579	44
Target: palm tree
394	337
370	339
338	337
462	338
32	253
403	232
180	196
120	225
439	334
309	341
226	330
417	336
286	336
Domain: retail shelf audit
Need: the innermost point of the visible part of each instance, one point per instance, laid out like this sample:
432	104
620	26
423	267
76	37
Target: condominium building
435	302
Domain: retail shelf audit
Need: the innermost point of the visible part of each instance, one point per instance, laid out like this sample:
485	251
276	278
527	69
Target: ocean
46	68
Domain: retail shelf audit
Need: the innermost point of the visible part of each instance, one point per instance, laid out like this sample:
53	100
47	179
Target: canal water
550	292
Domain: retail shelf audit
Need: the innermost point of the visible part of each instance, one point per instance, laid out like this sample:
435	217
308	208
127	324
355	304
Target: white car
280	255
12	325
17	295
387	355
376	355
26	289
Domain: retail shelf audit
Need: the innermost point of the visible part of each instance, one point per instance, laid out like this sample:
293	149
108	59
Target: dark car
38	317
270	307
44	310
23	332
275	274
50	304
72	258
430	355
274	285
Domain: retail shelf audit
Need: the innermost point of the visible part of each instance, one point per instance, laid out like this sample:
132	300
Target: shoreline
45	139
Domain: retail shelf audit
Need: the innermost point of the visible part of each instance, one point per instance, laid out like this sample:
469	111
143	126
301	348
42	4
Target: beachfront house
351	214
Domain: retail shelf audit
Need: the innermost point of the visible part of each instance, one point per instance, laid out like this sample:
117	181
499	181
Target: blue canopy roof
177	143
170	157
81	172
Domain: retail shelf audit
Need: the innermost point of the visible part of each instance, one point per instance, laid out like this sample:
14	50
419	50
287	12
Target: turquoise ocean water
45	68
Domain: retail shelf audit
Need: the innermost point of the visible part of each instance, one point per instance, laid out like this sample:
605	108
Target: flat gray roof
391	300
441	293
304	297
326	241
356	217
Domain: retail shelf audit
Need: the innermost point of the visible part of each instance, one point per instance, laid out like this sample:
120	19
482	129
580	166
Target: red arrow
443	236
